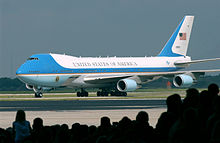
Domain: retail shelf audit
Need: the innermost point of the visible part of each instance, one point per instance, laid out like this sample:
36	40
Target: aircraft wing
144	77
105	78
179	63
69	80
196	73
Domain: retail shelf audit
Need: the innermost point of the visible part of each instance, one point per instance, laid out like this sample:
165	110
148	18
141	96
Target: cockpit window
29	59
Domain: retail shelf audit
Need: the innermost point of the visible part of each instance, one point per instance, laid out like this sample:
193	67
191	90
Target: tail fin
178	43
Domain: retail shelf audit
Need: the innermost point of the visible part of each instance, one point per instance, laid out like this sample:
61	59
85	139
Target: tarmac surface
82	111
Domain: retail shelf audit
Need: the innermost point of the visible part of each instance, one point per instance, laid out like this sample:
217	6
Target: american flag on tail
182	36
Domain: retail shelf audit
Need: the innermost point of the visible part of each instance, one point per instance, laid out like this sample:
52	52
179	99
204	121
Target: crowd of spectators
195	119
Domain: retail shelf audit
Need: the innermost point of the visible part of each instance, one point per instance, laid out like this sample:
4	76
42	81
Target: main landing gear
112	93
83	93
118	93
38	92
102	93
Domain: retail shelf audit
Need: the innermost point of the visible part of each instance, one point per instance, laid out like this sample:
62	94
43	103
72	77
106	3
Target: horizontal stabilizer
178	63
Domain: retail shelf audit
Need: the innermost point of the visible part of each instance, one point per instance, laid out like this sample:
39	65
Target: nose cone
21	71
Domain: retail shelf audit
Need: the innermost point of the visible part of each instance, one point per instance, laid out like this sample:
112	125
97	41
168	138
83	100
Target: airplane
113	75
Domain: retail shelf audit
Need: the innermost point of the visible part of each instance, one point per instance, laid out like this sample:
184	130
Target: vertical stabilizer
178	43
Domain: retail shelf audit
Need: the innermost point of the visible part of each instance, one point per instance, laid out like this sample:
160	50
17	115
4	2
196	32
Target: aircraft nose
20	73
21	70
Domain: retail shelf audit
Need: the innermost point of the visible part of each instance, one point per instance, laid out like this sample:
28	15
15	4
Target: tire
124	94
98	93
35	95
86	94
105	93
38	95
112	93
78	94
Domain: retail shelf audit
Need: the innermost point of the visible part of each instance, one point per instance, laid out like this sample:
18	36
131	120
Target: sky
104	28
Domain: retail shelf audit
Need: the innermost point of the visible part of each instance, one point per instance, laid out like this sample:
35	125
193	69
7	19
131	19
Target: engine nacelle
125	85
183	80
30	87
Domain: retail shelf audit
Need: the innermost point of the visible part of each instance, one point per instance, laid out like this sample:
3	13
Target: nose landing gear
38	94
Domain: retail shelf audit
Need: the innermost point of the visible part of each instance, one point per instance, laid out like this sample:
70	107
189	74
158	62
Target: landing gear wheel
86	94
105	93
78	94
118	93
102	93
124	93
82	94
38	95
98	93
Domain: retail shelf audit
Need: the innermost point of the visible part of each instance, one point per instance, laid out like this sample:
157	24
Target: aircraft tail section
177	45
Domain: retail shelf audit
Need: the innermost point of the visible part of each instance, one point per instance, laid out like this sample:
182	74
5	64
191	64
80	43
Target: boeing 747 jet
113	75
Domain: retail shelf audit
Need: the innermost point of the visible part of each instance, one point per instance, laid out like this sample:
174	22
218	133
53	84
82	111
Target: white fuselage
54	70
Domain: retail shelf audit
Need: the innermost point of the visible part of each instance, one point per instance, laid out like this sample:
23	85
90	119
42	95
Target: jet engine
30	87
125	85
183	80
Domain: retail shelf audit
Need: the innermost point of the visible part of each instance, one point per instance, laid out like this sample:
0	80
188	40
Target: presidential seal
57	79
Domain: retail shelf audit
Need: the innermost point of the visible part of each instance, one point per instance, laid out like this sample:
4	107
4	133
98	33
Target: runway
83	111
108	104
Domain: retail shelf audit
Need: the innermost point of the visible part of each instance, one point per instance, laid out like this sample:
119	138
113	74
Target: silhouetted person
167	119
84	132
105	122
187	129
63	134
75	134
36	128
142	117
45	135
102	139
5	136
215	116
205	107
92	134
215	134
124	123
143	130
123	131
21	127
191	99
105	126
37	124
213	89
174	104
